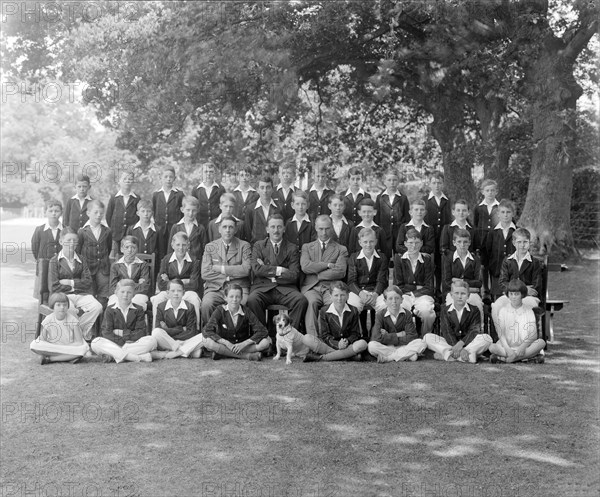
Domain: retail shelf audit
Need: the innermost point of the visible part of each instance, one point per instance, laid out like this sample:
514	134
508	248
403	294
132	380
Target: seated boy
394	336
130	267
151	239
196	233
460	326
339	334
517	329
368	272
413	273
227	205
61	339
462	265
523	266
460	211
343	230
234	331
367	212
417	215
179	264
124	329
177	331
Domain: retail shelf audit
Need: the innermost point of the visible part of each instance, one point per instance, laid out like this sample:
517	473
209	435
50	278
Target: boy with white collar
121	211
343	230
460	212
255	226
367	212
392	211
417	221
245	194
318	195
354	195
227	204
485	217
166	201
124	330
300	229
460	327
208	194
196	233
75	215
151	239
130	267
283	196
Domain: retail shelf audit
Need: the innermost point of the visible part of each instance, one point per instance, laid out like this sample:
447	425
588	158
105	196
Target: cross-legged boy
394	336
283	196
523	266
196	232
462	265
69	274
130	267
413	273
339	333
255	225
95	245
166	201
61	339
121	211
245	194
45	242
460	326
343	229
517	329
438	215
179	264
234	331
176	333
75	215
124	330
227	205
392	211
417	221
354	195
208	194
460	212
318	195
499	243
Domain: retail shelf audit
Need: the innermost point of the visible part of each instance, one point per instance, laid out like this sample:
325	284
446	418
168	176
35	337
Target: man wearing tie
323	261
226	260
276	266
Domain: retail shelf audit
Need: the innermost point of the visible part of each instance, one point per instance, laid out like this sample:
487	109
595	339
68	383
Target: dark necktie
276	248
226	249
324	246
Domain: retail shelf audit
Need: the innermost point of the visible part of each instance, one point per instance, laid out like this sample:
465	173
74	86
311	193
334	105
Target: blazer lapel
233	250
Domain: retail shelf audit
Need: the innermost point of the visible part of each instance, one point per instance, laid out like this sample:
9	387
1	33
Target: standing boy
283	196
255	225
45	242
76	210
166	201
151	239
460	326
484	218
392	210
208	194
121	212
300	229
354	195
227	204
245	194
318	195
417	216
367	212
460	211
196	233
343	230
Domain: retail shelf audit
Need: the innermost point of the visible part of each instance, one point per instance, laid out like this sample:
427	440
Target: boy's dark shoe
312	357
44	360
216	357
494	359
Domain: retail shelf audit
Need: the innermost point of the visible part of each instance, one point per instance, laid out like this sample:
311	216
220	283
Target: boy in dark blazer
255	225
196	232
151	239
130	267
167	201
75	215
417	221
208	194
499	243
318	195
245	194
392	211
283	196
354	195
343	229
121	211
300	229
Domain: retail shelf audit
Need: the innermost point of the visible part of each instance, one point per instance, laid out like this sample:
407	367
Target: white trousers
139	299
144	345
439	344
189	296
166	342
91	310
475	300
503	301
58	352
397	353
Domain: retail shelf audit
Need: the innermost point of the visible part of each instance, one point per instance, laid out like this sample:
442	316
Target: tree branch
579	40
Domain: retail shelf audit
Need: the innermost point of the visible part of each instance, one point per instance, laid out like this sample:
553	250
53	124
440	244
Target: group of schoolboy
324	256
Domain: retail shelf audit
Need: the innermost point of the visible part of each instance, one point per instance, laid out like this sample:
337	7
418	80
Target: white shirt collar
218	219
209	188
454	223
88	223
452	308
186	257
494	203
162	189
362	225
121	194
388	313
419	259
431	195
360	192
313	189
238	189
410	223
305	218
87	197
331	309
280	187
499	226
150	226
344	220
395	194
526	258
259	205
48	227
181	307
116	306
363	256
182	222
456	256
240	311
137	260
63	256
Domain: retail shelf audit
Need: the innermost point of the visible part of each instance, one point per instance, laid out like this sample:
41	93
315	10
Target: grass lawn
234	428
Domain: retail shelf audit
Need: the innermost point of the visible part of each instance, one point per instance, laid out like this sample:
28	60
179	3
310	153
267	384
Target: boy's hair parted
412	233
265	178
96	203
460	201
176	281
301	194
56	298
84	178
437	175
508	204
52	203
460	233
523	233
190	201
232	286
365	232
516	285
144	204
67	231
355	171
336	196
488	182
130	239
418	201
392	172
168	168
227	196
366	202
392	289
459	284
180	235
126	283
339	285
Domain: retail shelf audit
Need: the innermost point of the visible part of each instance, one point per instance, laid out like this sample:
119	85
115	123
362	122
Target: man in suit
323	261
226	260
276	266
